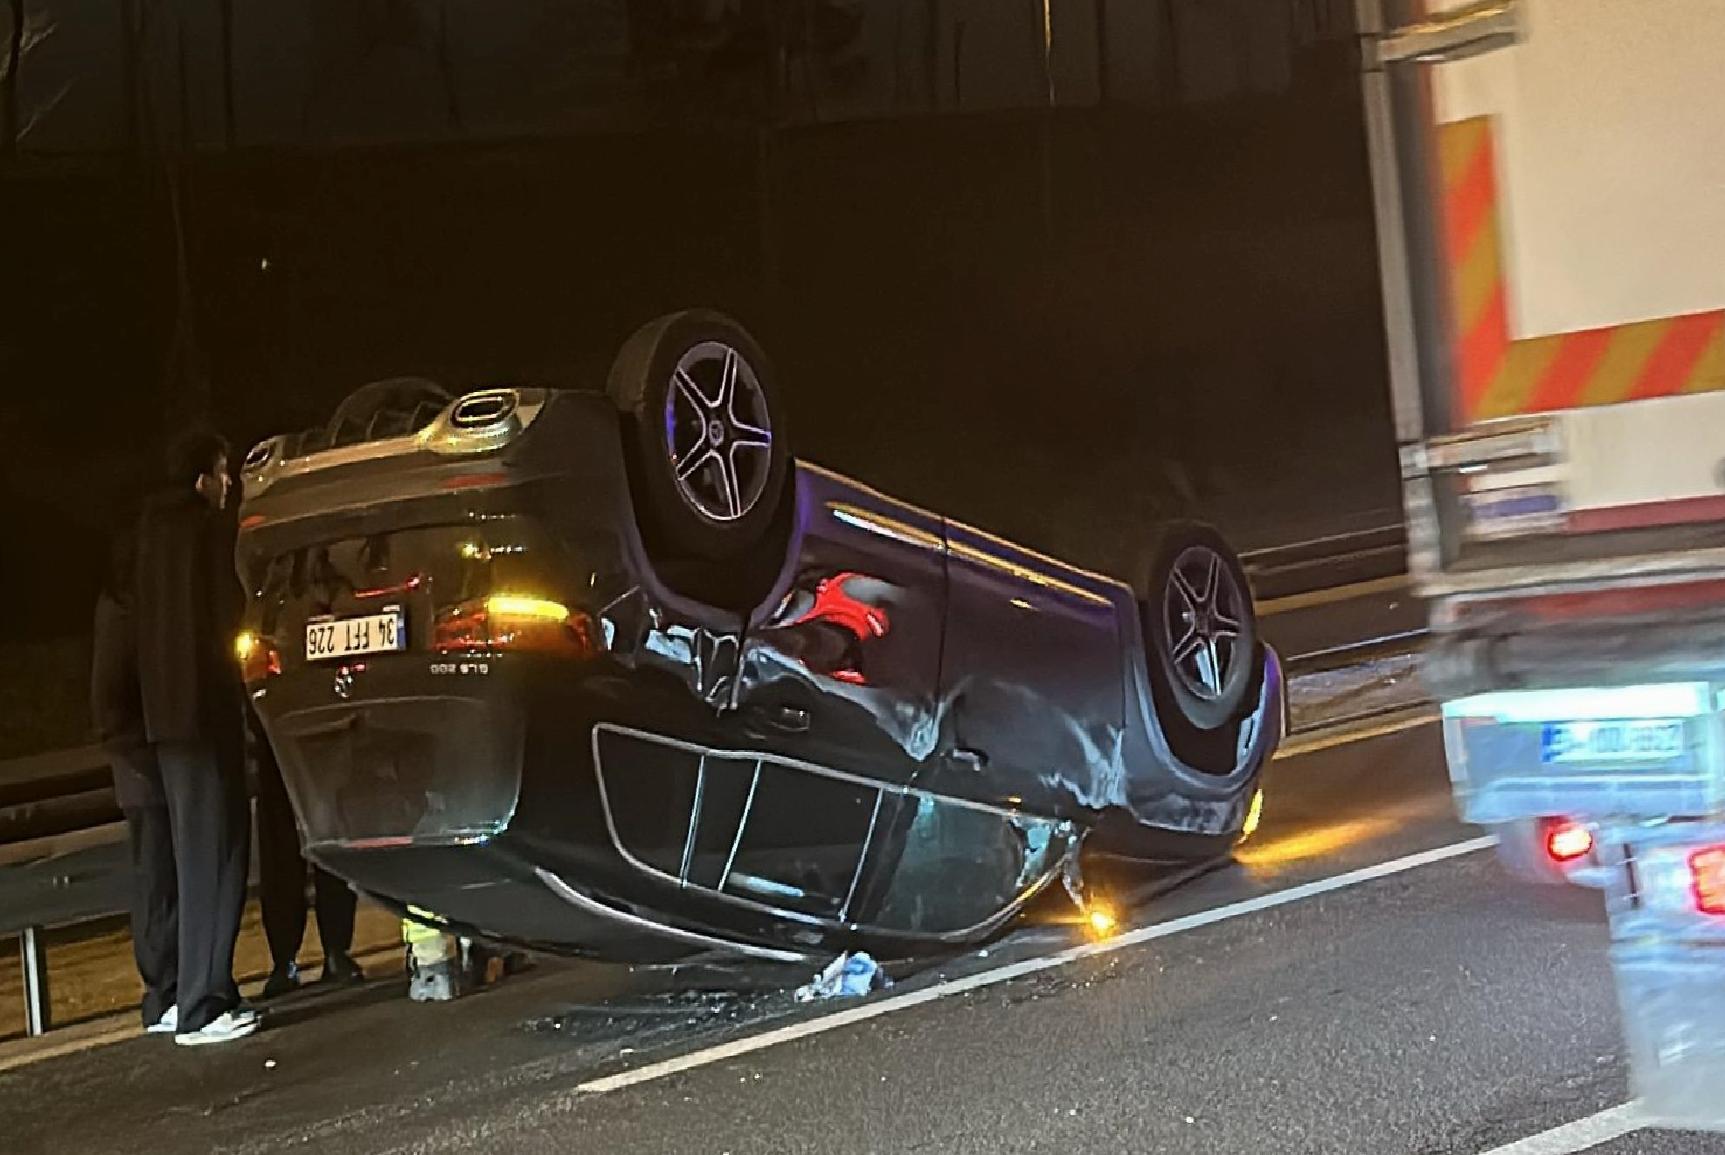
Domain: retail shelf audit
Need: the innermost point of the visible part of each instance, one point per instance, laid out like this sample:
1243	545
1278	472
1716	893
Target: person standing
186	609
117	708
281	887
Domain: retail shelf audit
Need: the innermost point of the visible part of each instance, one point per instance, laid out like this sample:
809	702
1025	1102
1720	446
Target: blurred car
612	674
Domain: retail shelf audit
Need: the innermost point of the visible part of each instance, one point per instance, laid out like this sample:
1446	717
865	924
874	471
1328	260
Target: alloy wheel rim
1203	609
718	432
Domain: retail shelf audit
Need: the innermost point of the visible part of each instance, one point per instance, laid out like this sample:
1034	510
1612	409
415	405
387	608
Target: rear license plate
332	638
1632	741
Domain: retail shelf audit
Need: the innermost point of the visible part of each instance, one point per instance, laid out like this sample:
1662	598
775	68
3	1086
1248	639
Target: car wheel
1200	639
706	436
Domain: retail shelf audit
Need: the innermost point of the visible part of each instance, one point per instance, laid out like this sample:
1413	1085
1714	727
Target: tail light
1567	841
1707	879
258	657
514	624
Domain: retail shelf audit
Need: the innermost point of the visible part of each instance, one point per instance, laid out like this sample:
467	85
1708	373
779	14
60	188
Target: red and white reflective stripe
1501	374
1613	602
1647	515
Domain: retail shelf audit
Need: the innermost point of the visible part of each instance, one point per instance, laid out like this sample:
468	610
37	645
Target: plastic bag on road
848	976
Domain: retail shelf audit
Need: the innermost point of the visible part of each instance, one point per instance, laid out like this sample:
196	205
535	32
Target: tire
1201	642
706	439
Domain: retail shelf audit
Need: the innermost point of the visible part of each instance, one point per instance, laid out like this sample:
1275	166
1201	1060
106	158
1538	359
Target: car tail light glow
1101	921
1707	879
397	590
1254	816
1567	841
475	480
515	623
258	657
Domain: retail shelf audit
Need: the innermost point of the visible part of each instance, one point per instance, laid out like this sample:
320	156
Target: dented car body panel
910	736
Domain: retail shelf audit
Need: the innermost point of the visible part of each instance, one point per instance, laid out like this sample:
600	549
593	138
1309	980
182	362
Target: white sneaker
437	983
235	1024
168	1024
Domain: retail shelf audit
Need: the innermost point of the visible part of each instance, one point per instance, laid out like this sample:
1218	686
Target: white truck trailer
1550	184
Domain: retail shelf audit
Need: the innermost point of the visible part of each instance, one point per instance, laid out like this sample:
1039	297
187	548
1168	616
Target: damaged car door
834	710
1032	680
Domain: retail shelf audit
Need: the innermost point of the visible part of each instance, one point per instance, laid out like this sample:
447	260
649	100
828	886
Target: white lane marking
19	1053
1298	745
32	1054
122	1025
886	1006
1579	1135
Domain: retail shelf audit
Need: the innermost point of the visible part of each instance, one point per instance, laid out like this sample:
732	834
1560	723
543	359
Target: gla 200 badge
461	667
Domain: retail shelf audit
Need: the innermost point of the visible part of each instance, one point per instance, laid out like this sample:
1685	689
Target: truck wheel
705	436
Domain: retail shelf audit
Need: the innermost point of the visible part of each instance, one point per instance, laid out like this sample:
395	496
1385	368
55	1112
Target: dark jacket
117	706
116	703
187	604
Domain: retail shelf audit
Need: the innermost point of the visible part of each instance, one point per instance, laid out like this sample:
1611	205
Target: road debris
848	976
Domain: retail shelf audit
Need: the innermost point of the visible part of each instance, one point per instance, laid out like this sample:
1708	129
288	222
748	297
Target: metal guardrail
1338	657
57	793
1327	562
1328	546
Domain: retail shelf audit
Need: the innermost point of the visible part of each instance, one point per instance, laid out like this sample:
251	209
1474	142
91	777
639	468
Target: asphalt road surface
1364	979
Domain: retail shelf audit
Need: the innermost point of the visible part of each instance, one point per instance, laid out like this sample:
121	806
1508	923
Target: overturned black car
612	674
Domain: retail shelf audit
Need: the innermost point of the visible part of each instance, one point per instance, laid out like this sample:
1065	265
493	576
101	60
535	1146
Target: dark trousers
281	876
207	811
155	907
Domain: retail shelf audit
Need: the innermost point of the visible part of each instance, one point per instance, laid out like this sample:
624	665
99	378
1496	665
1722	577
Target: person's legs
155	906
433	963
281	873
206	805
336	905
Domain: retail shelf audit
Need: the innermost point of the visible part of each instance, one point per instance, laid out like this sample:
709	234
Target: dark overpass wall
1012	259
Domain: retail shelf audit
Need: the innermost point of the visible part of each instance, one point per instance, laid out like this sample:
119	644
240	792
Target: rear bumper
432	768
